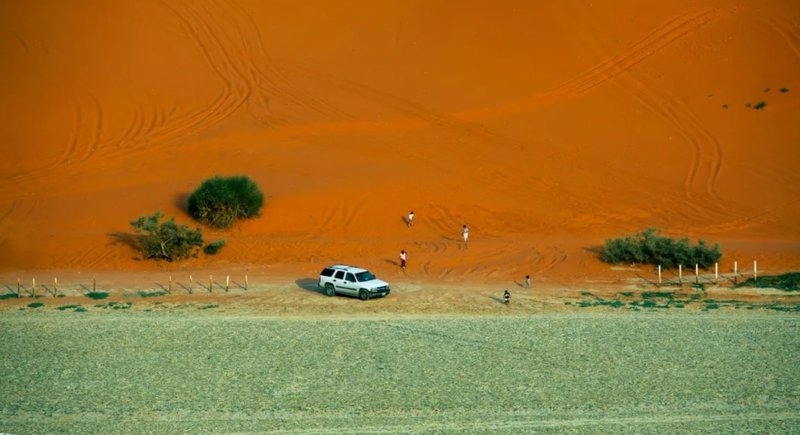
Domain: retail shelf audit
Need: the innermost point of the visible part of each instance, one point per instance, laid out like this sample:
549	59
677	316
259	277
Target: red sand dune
546	127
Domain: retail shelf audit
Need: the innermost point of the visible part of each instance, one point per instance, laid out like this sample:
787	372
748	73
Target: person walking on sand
410	219
527	281
465	233
403	259
507	297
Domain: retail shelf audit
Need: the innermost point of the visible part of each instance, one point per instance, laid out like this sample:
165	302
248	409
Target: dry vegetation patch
196	371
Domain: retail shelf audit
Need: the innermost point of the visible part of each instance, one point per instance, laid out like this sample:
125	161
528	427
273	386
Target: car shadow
308	284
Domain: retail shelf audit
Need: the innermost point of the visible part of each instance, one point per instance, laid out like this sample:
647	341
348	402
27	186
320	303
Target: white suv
352	281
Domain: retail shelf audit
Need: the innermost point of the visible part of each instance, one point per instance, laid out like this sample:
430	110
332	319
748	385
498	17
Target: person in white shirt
410	219
403	259
465	233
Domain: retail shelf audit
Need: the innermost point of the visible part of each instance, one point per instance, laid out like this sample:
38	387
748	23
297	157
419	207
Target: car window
339	274
365	276
327	272
350	277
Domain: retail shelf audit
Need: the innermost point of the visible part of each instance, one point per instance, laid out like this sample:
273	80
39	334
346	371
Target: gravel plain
192	372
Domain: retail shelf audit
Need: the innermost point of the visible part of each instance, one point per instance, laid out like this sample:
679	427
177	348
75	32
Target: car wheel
363	295
329	290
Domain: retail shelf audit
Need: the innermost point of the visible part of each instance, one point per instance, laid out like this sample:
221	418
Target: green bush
648	247
35	305
97	295
166	240
219	201
214	247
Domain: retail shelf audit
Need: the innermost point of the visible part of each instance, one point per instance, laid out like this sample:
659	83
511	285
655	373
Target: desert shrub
97	295
760	105
787	281
35	305
219	201
214	247
648	247
166	240
79	308
146	294
8	296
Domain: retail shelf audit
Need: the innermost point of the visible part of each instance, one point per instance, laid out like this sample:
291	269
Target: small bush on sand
214	247
8	296
760	105
648	247
35	305
97	295
153	294
220	201
166	240
787	281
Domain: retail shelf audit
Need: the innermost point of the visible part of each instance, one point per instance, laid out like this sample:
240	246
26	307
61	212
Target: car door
349	284
338	281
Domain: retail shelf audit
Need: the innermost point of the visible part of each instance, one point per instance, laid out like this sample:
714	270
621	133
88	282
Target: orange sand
546	127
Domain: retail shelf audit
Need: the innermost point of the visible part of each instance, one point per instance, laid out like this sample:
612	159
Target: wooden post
245	282
210	282
716	273
755	270
55	286
227	282
735	271
18	286
190	284
33	287
169	288
94	284
659	274
680	274
696	273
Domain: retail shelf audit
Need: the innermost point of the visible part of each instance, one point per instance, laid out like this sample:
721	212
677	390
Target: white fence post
755	270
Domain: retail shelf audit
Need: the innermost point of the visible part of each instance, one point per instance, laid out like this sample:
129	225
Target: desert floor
547	127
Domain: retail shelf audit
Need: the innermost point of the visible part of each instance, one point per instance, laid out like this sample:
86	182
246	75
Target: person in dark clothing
507	297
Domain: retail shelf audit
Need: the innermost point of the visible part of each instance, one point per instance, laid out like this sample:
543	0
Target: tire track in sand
657	40
790	32
706	157
420	115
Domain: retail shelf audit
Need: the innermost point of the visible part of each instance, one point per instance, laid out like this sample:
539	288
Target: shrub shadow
308	284
128	239
182	202
597	250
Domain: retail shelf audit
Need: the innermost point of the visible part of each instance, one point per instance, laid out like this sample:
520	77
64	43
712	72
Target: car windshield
364	276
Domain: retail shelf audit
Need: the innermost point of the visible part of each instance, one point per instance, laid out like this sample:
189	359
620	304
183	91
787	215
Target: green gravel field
600	372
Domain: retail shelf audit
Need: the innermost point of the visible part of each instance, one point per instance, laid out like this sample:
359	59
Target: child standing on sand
410	219
527	281
403	259
465	233
507	297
